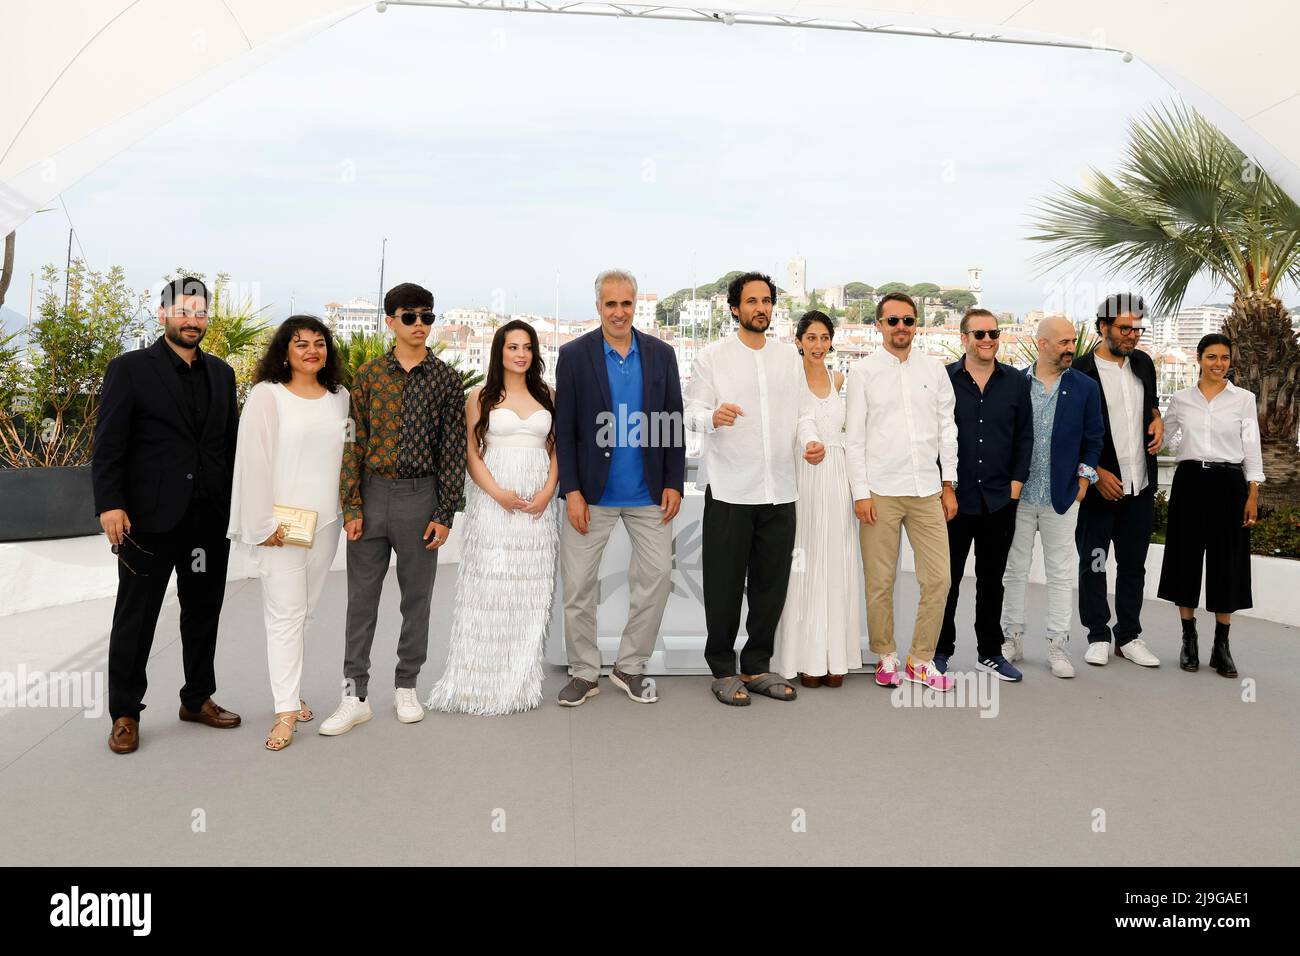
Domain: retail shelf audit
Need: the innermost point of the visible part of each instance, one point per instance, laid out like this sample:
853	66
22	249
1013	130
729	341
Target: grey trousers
649	581
395	514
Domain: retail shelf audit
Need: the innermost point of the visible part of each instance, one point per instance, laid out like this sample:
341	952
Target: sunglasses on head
906	320
979	334
408	318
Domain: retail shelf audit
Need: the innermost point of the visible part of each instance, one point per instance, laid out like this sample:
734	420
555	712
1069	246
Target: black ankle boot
1221	656
1190	658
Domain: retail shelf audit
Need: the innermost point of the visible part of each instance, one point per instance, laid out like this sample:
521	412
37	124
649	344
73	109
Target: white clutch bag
299	525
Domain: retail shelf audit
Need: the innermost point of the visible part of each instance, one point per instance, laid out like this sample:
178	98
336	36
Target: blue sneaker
941	663
1000	666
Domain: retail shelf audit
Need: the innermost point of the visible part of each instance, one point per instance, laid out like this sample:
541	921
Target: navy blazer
582	395
1077	434
1145	369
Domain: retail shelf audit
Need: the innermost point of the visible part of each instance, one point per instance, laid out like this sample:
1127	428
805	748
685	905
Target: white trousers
292	581
1059	564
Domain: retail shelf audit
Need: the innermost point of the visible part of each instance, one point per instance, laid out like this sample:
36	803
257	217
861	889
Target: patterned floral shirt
408	425
1038	489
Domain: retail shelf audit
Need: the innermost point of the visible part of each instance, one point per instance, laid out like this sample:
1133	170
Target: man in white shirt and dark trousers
1120	507
741	397
901	447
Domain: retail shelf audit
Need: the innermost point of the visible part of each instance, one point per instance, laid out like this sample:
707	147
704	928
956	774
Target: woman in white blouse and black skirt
289	454
1213	503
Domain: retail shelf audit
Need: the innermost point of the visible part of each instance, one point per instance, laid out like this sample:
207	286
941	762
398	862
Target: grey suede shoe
576	691
640	688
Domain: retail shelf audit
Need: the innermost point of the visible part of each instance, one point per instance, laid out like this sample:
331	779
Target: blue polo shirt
625	487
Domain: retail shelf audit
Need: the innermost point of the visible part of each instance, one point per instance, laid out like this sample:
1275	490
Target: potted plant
49	394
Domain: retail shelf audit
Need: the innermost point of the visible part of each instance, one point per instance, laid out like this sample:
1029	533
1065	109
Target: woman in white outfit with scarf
289	454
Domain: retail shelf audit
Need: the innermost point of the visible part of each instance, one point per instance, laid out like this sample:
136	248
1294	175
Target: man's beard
749	324
174	336
1119	346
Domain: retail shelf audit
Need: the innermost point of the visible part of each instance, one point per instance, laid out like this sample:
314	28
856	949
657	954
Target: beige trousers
928	533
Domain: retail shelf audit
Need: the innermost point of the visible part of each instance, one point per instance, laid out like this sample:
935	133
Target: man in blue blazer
1068	435
621	452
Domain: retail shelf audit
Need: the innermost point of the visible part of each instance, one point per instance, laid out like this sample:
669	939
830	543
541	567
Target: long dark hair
493	392
274	366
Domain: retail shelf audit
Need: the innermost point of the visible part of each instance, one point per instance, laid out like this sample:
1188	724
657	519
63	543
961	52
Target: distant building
976	284
797	285
832	296
695	314
359	315
646	305
1184	328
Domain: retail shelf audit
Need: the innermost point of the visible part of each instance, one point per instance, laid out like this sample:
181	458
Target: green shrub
1277	533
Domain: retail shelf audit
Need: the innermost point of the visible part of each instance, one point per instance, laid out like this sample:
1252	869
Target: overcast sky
497	150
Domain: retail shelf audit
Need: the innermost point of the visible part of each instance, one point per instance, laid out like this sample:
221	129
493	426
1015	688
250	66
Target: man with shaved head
1068	433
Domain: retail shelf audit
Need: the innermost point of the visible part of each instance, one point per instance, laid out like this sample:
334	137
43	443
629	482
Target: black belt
1234	465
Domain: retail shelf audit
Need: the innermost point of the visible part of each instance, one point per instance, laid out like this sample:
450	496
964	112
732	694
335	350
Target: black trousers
198	550
991	533
1206	506
1126	524
744	541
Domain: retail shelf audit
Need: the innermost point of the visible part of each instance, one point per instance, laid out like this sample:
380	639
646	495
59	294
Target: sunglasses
979	334
117	550
409	318
907	320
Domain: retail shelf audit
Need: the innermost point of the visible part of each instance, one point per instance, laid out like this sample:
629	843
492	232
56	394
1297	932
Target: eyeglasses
979	334
907	320
1129	329
187	314
408	318
117	550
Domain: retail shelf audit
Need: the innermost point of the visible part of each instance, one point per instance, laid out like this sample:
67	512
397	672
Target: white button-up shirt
1225	428
753	461
901	434
1124	397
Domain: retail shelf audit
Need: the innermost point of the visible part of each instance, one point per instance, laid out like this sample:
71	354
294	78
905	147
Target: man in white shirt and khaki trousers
741	397
901	448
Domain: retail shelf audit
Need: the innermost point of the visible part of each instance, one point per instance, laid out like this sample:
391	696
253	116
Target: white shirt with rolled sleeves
1225	429
753	461
1122	391
900	425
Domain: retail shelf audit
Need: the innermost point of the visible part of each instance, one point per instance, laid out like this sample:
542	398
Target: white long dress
506	579
819	631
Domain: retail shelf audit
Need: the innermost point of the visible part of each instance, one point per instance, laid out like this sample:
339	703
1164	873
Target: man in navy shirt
995	439
621	453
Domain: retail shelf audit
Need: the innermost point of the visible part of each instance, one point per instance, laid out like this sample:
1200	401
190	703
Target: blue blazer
582	395
1077	434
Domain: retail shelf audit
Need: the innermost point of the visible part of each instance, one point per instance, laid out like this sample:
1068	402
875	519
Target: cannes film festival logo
75	908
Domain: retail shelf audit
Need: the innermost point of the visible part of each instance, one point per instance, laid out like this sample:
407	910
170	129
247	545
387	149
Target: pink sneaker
924	673
887	671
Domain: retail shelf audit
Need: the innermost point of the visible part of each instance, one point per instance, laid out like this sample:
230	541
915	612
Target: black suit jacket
582	395
148	454
1145	369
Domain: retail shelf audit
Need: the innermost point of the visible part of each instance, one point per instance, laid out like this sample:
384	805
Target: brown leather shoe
125	737
832	680
809	681
212	715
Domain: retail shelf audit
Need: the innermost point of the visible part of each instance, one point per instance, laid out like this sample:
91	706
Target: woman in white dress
508	554
818	637
289	452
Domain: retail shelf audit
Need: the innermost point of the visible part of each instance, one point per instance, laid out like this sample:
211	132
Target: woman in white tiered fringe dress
508	555
818	637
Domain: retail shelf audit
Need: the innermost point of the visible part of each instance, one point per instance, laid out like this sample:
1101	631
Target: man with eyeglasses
1120	507
402	481
901	449
995	439
161	466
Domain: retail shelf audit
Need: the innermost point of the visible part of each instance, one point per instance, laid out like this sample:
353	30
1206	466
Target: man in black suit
164	455
1120	507
621	452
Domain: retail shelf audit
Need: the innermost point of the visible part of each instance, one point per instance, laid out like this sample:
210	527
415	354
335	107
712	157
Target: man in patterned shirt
1068	433
403	479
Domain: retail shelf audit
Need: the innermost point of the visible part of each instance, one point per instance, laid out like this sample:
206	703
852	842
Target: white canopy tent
81	80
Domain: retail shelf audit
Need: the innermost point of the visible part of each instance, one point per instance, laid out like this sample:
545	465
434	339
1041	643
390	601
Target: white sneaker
1013	648
1057	659
352	711
1098	652
409	710
1137	652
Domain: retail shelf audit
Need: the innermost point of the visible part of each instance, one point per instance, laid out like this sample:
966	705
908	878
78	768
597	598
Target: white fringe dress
506	579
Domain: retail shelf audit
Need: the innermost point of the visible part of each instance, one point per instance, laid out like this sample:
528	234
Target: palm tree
1185	202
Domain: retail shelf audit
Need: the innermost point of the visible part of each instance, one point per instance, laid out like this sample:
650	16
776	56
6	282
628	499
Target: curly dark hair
737	285
274	366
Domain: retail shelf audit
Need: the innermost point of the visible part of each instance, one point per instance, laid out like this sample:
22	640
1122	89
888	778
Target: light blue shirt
1038	489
